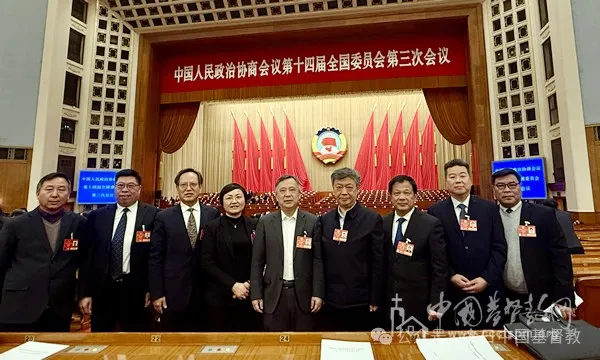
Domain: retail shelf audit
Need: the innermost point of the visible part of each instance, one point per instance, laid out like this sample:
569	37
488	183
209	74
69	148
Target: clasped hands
241	290
474	286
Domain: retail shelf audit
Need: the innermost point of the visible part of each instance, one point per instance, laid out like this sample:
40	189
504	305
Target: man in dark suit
287	270
566	224
538	268
417	265
39	256
175	274
113	282
3	216
476	250
353	258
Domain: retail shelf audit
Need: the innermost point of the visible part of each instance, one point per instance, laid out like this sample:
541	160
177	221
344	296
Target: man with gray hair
353	258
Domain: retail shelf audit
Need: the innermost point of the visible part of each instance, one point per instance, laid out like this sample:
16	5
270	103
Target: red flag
383	156
266	172
295	164
278	155
397	149
429	168
365	164
239	155
252	155
413	155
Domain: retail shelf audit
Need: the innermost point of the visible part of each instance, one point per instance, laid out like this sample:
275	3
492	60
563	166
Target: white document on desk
458	348
347	350
32	350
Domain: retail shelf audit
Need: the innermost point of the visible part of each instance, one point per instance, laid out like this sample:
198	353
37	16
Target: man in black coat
476	251
287	269
353	258
538	269
113	282
39	257
566	224
175	274
417	266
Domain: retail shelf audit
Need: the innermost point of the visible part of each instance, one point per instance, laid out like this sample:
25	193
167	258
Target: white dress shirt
129	232
288	228
404	224
457	209
343	213
186	214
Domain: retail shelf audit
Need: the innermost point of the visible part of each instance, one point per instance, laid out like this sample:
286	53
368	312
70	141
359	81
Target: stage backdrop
210	144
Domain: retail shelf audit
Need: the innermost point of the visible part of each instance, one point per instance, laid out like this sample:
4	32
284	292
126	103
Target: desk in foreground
184	346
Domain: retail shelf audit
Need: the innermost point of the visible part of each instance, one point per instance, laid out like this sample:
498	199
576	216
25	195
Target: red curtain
449	109
365	164
383	155
413	153
397	149
252	156
238	174
266	173
278	154
176	123
429	168
294	158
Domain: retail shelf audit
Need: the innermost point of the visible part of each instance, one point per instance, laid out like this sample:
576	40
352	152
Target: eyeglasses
511	185
184	186
130	186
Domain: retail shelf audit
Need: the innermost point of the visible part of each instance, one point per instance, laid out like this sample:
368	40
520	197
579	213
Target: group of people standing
188	268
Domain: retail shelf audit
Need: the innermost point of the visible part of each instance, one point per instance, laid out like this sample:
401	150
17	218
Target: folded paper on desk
32	350
347	350
458	348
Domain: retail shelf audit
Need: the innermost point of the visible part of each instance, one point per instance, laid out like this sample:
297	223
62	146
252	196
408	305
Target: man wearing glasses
538	271
175	270
113	281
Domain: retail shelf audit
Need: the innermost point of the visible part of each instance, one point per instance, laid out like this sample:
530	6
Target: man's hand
433	315
240	291
459	281
315	304
258	305
160	304
476	286
85	305
147	300
567	313
373	308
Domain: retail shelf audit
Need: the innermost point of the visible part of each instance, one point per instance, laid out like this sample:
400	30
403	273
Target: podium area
189	346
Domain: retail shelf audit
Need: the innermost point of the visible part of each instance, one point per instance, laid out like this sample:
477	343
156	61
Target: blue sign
96	187
533	175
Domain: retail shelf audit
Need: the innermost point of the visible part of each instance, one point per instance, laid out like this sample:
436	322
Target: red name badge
405	248
303	242
142	236
468	225
527	230
340	235
71	245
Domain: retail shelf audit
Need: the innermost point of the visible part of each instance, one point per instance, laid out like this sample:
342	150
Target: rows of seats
586	272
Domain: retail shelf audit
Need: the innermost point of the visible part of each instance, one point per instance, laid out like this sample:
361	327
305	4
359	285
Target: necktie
508	211
399	234
463	211
191	228
116	247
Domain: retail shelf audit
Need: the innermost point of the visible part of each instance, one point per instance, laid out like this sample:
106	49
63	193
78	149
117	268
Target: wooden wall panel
594	157
146	153
14	186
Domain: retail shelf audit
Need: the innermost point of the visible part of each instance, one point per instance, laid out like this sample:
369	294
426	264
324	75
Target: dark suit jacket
476	254
98	238
218	261
34	276
421	278
566	224
174	267
3	219
546	261
267	261
354	270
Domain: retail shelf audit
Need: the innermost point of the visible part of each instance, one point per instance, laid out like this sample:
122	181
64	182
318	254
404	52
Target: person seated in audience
226	259
538	271
39	258
566	224
287	269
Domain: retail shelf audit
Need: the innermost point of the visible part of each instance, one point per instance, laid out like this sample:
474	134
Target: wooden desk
179	346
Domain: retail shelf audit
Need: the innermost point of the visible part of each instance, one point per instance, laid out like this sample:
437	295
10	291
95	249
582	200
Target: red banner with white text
302	63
